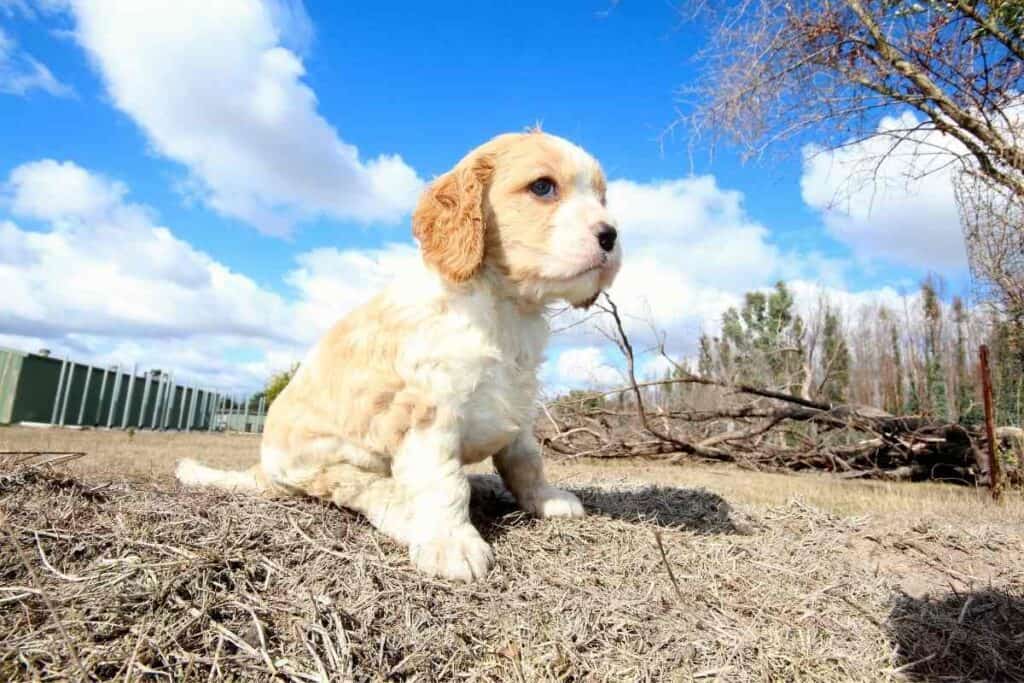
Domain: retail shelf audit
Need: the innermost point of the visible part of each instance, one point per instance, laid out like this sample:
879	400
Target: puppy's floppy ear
449	220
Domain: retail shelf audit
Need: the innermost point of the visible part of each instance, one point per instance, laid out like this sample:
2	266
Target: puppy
440	370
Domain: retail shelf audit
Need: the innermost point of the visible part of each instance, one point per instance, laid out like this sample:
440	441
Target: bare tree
992	218
776	69
827	71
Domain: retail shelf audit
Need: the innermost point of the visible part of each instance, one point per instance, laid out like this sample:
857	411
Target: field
109	569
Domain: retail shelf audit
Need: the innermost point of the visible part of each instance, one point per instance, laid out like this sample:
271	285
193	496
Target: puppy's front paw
552	502
460	554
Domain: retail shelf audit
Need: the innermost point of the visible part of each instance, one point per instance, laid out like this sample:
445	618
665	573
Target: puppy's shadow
494	510
969	636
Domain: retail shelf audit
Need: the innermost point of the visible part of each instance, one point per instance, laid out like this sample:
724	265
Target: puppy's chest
500	406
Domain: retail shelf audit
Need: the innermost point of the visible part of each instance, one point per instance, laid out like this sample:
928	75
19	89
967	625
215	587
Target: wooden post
990	430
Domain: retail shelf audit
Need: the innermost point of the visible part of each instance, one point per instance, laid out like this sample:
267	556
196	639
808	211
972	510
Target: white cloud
21	73
330	282
899	209
586	367
102	269
656	367
213	87
808	295
691	251
49	190
94	276
293	24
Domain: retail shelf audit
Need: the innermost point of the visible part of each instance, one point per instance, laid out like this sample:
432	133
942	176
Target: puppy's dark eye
543	187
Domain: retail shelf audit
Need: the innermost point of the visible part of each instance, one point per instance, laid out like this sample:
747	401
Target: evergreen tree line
921	360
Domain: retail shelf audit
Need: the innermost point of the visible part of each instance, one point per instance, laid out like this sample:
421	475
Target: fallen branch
758	428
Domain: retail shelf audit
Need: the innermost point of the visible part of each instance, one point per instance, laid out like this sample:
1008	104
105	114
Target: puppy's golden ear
449	220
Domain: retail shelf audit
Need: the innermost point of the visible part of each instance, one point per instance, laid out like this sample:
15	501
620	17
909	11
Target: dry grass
108	568
141	456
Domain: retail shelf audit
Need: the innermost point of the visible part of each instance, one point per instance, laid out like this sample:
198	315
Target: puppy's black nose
606	235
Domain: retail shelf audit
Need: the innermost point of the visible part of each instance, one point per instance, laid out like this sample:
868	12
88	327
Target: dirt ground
109	569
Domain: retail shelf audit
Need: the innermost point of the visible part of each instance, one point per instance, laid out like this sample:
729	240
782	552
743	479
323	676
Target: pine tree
1008	371
706	360
892	376
965	408
935	381
836	359
668	388
763	340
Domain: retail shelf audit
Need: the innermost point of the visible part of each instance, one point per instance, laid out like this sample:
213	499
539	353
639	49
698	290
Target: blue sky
275	148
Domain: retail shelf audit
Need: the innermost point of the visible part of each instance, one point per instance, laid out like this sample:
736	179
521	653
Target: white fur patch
192	473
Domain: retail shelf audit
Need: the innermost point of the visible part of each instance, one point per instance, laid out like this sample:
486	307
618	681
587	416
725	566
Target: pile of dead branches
765	429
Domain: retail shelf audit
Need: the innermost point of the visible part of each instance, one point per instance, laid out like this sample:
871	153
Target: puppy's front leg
522	469
442	540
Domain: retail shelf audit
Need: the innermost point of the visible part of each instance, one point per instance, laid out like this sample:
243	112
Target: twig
668	567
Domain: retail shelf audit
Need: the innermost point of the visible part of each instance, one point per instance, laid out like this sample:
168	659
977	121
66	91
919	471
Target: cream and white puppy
440	370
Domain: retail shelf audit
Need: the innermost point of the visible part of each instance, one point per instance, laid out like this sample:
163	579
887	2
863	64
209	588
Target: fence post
103	393
128	399
169	420
158	391
168	387
140	423
188	407
211	407
204	398
990	431
67	391
85	395
213	413
158	415
191	411
115	393
181	408
60	387
165	418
